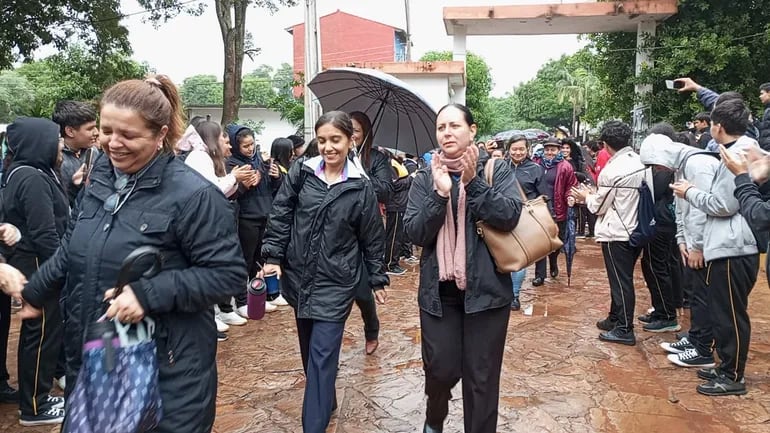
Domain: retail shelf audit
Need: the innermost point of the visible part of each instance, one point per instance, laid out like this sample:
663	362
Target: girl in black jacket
141	195
464	301
324	227
377	167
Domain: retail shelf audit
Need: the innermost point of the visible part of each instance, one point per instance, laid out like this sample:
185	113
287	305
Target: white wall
274	126
435	89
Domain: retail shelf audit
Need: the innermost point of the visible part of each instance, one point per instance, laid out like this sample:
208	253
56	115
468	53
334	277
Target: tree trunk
574	116
231	15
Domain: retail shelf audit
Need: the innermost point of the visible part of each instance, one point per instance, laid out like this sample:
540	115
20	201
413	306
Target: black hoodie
33	198
253	203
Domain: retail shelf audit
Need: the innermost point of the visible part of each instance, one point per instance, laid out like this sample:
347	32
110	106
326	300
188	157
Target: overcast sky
189	46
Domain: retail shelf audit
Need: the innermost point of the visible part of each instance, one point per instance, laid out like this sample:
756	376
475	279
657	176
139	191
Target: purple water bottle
257	295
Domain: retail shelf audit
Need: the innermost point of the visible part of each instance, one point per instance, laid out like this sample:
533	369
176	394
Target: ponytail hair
156	100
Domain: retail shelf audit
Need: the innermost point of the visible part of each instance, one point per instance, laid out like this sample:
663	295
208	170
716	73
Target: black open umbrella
401	118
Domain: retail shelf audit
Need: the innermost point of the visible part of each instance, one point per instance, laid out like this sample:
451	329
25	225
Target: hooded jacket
322	236
175	210
688	163
616	201
727	234
33	197
253	203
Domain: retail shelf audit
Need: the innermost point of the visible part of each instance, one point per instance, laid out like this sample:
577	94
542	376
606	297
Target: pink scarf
450	248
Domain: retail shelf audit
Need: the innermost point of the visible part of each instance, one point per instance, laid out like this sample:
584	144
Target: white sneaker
233	318
279	301
221	326
270	307
61	382
242	311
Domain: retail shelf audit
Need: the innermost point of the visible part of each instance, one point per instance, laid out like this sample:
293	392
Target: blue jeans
517	278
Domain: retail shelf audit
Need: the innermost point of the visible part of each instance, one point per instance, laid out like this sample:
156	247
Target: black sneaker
221	336
691	358
722	385
396	270
55	401
618	336
708	373
8	394
680	346
515	305
47	416
646	318
662	326
607	324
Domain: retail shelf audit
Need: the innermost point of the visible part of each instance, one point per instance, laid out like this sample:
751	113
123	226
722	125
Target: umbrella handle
125	270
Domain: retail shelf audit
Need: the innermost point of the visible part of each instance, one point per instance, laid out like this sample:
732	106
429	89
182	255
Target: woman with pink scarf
464	301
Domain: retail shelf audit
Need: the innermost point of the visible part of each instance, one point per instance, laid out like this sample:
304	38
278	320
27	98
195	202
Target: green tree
479	81
537	99
27	25
575	86
201	90
292	109
231	15
688	44
76	74
17	96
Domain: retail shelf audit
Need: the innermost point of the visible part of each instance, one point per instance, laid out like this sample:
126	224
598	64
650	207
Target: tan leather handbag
535	236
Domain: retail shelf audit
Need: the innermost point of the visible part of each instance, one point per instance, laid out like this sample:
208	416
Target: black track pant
658	270
620	259
729	283
40	342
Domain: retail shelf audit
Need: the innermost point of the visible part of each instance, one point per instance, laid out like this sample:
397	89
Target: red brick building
347	38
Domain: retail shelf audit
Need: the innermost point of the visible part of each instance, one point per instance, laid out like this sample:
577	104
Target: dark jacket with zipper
253	203
71	163
380	175
322	236
763	125
499	206
176	210
665	217
33	197
529	174
397	201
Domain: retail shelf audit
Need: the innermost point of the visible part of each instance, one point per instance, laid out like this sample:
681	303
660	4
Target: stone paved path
557	377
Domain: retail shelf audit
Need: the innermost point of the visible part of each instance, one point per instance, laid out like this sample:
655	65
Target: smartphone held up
674	84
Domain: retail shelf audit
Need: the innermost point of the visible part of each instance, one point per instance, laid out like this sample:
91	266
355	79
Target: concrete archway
640	16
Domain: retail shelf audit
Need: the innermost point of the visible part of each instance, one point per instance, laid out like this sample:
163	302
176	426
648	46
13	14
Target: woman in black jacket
254	200
464	302
141	195
529	175
377	167
324	227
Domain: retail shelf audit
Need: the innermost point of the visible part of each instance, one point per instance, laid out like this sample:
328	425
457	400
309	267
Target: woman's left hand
470	160
126	307
274	172
381	296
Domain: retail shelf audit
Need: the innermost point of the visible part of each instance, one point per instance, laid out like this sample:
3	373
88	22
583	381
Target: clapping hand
470	160
442	183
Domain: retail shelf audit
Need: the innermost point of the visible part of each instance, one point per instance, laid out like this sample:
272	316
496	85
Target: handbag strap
489	172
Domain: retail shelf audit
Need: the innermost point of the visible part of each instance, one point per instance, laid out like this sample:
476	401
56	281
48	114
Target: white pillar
459	54
641	113
312	66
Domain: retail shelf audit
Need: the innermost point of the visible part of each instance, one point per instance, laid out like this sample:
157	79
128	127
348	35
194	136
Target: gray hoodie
688	163
727	233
